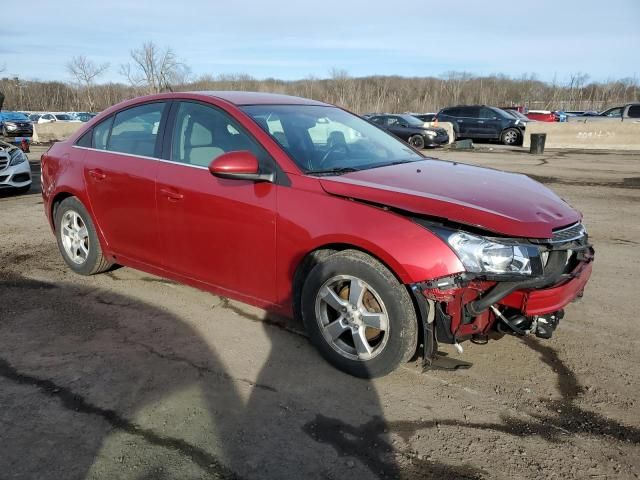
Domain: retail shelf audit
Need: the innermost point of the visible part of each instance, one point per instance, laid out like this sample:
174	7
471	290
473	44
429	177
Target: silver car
15	173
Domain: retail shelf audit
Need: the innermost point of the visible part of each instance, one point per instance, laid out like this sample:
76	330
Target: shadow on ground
95	384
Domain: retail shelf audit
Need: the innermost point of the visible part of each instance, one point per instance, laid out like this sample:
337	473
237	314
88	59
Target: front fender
312	219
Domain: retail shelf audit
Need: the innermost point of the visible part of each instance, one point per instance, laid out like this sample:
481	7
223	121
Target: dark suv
15	124
482	122
412	130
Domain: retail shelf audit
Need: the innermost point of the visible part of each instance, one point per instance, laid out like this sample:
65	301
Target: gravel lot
126	375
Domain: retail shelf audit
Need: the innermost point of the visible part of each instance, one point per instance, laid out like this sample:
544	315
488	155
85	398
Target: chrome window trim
141	156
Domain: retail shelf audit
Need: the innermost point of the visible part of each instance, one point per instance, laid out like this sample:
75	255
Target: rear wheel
511	136
358	315
77	238
416	141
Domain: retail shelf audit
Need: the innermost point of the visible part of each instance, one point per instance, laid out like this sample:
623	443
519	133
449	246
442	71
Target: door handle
97	174
171	194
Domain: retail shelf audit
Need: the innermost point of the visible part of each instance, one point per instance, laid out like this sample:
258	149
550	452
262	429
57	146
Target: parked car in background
82	116
412	130
15	124
425	117
517	108
519	115
56	117
15	173
542	115
305	209
369	115
561	116
483	122
34	117
630	111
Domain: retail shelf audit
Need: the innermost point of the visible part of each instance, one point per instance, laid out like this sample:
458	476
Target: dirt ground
128	376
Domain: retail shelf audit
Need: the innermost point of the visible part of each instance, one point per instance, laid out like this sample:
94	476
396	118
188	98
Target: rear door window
470	112
487	113
135	130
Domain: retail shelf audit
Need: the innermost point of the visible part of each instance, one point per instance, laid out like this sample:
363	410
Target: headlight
10	126
17	158
431	133
481	255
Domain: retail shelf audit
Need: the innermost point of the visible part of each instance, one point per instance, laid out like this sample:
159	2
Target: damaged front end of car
514	286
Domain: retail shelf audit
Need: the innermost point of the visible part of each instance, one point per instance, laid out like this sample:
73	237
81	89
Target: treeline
361	95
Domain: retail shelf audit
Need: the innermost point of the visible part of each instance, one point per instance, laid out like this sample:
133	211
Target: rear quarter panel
62	174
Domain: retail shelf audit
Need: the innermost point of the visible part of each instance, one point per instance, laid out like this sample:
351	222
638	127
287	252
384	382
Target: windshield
504	113
329	140
412	121
63	116
517	114
20	117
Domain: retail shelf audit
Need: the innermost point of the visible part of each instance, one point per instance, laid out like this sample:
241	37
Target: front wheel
77	238
358	315
416	141
511	136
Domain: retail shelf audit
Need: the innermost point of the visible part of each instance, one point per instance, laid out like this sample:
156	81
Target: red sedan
542	115
305	209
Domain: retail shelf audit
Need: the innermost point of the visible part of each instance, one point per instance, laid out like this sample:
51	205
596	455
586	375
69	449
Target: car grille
4	161
568	234
23	129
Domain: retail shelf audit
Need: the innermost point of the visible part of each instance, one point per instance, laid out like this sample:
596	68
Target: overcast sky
295	39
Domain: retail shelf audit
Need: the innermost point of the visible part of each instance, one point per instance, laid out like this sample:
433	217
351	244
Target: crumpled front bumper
549	300
467	309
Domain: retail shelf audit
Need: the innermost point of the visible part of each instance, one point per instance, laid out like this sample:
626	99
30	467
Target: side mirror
241	165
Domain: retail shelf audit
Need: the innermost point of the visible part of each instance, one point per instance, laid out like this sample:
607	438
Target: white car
56	117
15	173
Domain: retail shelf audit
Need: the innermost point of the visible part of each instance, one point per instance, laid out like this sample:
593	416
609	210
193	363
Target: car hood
501	202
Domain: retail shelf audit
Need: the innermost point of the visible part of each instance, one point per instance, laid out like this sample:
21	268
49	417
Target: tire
416	141
339	320
71	217
511	136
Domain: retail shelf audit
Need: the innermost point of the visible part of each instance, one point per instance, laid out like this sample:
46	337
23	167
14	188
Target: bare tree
154	70
85	72
3	67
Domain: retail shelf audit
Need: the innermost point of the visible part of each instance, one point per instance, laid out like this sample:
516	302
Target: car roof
259	98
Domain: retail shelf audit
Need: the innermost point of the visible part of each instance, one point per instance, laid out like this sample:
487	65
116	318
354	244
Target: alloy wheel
510	137
352	317
75	237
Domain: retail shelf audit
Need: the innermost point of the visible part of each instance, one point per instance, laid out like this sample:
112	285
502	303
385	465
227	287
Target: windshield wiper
397	162
333	171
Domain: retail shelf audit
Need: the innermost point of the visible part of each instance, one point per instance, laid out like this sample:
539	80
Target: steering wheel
333	149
